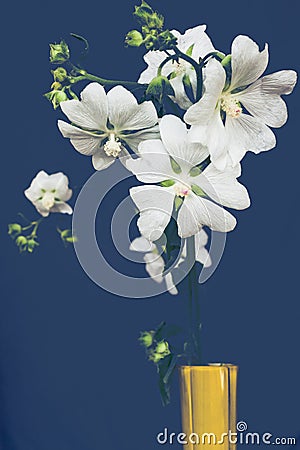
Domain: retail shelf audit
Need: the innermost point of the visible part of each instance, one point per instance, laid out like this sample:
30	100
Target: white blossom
170	161
102	123
197	44
233	118
49	193
155	265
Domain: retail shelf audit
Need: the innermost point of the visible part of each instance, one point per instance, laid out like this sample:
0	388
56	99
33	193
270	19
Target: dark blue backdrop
72	374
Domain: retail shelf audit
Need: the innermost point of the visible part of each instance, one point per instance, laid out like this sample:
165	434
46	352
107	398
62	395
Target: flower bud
56	97
146	338
31	244
146	16
158	88
14	228
163	348
59	53
59	74
134	39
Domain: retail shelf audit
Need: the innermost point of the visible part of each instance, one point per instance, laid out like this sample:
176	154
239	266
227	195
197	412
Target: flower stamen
113	146
231	106
181	190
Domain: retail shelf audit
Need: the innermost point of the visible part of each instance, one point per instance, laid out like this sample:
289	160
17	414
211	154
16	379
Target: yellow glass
208	406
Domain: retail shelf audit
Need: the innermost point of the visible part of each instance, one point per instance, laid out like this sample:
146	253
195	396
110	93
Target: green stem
194	354
197	67
84	75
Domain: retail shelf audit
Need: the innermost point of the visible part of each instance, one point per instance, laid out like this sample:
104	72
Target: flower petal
201	112
174	135
154	266
61	207
170	284
134	139
83	141
101	161
153	59
37	184
197	211
196	36
201	253
247	62
91	112
212	136
223	187
154	164
262	99
246	133
180	95
141	244
155	204
281	83
125	113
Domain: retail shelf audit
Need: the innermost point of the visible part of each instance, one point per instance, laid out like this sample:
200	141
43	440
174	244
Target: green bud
31	244
134	39
59	53
56	97
21	241
163	347
59	74
146	338
147	16
165	41
14	228
226	61
158	88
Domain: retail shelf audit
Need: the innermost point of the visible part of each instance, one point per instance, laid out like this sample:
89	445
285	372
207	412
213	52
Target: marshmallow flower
49	193
103	123
155	264
234	117
171	162
193	42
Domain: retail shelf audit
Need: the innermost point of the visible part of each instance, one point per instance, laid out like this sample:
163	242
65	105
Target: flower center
231	106
112	147
48	200
181	190
180	67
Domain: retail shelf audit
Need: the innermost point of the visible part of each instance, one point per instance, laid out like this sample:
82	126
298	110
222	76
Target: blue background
72	373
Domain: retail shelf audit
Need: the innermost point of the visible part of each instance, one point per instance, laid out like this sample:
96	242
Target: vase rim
208	366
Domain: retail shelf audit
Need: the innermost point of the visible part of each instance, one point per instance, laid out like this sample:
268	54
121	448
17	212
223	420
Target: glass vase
208	406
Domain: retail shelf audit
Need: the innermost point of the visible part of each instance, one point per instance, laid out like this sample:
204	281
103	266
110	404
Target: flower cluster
189	163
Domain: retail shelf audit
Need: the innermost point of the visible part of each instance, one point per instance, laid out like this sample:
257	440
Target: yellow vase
208	406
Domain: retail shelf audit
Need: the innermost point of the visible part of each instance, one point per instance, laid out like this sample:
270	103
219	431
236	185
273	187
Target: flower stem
194	354
84	75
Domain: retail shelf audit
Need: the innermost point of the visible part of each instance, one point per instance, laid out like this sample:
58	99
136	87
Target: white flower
49	193
172	159
197	44
234	119
102	123
155	264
